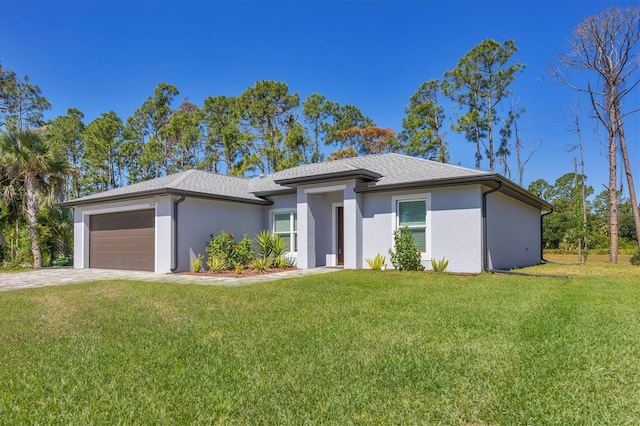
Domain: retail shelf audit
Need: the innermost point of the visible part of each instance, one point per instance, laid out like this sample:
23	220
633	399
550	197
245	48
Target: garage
123	240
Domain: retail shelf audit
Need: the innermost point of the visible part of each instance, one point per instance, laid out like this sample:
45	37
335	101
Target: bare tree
575	128
606	44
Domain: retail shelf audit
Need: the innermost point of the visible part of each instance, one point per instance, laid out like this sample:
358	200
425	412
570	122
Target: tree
478	83
563	229
575	128
422	135
267	109
145	138
103	160
22	105
318	113
227	147
183	133
339	135
605	45
31	163
366	141
65	133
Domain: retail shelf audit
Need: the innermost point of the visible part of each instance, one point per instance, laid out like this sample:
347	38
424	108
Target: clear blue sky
109	55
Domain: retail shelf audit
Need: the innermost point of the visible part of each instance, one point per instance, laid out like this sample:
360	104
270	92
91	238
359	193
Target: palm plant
31	164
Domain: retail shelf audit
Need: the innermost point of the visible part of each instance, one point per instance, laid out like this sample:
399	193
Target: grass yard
354	347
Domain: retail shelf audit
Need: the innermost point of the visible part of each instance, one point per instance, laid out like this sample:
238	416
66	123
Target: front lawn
357	347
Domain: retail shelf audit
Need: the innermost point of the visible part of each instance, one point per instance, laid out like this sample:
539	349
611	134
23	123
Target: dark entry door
340	236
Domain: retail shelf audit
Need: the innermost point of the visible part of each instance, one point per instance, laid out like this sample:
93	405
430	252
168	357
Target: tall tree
366	141
605	45
22	105
144	135
267	109
32	164
65	133
347	142
563	229
422	126
103	160
227	146
183	133
576	128
318	113
478	83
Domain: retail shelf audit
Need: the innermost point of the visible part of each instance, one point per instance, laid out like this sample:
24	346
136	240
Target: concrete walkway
60	276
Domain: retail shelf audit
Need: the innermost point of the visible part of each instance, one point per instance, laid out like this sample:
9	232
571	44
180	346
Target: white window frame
293	233
395	224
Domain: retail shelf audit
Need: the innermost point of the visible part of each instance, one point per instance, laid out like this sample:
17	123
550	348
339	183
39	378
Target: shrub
216	264
281	262
264	241
635	259
261	264
272	248
439	265
377	263
224	247
406	256
239	267
196	264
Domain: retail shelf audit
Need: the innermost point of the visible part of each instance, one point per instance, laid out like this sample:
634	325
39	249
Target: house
335	213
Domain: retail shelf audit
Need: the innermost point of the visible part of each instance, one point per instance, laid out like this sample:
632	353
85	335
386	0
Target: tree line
264	129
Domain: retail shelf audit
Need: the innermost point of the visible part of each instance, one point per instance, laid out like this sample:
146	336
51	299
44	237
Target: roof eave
362	174
490	180
159	192
275	192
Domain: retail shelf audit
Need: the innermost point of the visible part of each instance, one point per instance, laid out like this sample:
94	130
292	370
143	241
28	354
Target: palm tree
30	163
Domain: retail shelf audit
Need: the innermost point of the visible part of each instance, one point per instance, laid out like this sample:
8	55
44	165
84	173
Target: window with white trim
286	226
413	214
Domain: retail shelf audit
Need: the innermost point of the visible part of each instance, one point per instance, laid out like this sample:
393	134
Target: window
286	226
413	214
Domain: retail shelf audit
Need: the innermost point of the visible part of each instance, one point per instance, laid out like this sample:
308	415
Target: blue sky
109	55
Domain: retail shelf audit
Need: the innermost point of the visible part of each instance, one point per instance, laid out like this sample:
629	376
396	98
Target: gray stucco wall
454	223
377	232
513	232
457	228
200	218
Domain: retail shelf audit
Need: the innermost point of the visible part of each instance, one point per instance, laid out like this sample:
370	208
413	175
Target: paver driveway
59	276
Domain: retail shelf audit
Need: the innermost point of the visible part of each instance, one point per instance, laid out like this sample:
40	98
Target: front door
340	232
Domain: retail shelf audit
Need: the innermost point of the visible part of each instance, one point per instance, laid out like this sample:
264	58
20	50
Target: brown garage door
124	240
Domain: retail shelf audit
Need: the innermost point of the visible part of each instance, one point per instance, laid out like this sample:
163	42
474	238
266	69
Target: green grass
354	347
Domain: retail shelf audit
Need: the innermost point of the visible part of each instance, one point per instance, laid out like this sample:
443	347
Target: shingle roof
383	171
194	182
394	168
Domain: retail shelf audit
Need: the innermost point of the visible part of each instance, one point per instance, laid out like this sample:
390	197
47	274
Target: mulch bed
232	274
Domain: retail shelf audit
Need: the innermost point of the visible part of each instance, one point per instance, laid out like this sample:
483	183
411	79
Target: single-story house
335	213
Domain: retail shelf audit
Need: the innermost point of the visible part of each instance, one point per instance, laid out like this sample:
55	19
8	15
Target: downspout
485	244
175	233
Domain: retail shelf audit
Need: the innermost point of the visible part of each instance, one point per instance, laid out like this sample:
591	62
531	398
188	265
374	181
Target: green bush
635	259
196	264
272	249
264	241
377	263
224	247
261	264
406	256
216	264
439	265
